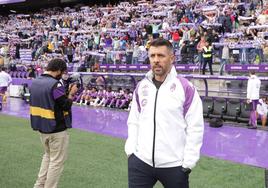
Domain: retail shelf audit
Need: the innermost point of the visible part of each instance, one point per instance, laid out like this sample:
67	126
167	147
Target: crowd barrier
246	68
135	77
229	68
227	108
187	67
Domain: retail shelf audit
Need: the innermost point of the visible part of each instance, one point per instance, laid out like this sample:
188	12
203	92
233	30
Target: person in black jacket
184	52
50	110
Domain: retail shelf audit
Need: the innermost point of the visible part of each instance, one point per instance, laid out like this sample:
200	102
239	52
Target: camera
74	79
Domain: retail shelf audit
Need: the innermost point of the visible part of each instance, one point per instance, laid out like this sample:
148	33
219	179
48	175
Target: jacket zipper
154	128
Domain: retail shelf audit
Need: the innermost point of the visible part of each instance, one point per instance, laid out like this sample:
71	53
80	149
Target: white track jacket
165	126
253	88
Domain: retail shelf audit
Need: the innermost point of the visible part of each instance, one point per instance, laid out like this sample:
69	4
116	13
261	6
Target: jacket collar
48	76
253	77
172	74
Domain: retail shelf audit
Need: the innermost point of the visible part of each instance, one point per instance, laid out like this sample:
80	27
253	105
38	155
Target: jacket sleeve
194	132
132	123
60	97
9	79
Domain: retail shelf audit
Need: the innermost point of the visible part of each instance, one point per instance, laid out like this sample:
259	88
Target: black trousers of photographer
142	175
209	62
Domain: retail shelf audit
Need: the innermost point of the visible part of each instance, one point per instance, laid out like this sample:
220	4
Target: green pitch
99	161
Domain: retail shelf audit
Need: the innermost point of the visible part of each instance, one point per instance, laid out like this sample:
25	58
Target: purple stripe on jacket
189	94
58	92
137	97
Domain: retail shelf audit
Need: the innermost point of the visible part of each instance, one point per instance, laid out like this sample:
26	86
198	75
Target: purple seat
14	74
27	74
19	74
23	74
11	73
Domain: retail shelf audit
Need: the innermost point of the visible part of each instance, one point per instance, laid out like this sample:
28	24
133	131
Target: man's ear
173	57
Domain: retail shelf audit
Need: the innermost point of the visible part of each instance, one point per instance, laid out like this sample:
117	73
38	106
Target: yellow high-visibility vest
207	52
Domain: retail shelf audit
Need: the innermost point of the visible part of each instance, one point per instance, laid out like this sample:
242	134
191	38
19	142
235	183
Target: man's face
65	76
161	60
59	75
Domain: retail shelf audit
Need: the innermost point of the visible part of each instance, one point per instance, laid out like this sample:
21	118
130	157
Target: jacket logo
145	92
145	87
143	102
173	87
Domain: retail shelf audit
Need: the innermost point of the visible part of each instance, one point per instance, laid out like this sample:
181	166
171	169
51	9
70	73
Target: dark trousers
142	175
70	58
253	116
209	62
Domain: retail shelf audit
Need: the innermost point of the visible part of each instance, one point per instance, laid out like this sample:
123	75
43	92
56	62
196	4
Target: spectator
253	94
262	109
184	52
69	51
207	56
5	81
201	44
31	72
225	58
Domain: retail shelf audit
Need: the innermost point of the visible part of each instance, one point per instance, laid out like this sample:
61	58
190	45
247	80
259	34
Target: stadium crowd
202	32
121	34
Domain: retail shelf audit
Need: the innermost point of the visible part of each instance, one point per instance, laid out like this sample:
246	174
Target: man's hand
72	91
186	170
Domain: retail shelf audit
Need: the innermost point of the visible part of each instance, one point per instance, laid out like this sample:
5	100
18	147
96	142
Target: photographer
50	109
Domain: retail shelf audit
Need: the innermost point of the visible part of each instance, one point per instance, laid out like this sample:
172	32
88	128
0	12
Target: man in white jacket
253	95
5	80
165	124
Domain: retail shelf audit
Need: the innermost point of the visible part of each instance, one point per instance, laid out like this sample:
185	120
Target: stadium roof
26	6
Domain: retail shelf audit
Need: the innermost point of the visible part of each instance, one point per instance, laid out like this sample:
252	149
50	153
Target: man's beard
58	77
159	72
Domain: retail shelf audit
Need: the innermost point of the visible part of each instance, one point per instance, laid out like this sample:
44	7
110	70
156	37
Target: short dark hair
2	68
252	72
162	42
57	65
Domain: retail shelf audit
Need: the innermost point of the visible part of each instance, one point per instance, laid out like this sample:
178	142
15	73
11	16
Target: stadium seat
245	112
19	74
233	110
23	74
15	74
207	106
27	74
219	108
11	73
